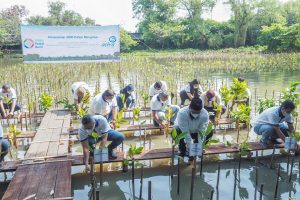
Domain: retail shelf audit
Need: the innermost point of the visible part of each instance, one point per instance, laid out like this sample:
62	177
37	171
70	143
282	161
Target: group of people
191	118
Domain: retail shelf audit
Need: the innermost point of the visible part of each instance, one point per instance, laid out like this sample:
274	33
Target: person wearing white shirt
191	90
275	123
158	105
79	90
8	100
210	100
4	145
157	87
191	119
105	104
99	126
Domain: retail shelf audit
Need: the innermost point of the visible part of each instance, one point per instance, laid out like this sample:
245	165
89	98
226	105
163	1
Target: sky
105	12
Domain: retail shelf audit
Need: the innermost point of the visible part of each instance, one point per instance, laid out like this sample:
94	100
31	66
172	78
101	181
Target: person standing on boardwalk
96	129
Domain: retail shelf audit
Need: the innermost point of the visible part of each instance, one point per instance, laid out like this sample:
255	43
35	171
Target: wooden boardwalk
51	138
46	179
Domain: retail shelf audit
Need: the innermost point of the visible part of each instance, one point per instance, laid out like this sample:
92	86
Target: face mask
89	131
195	115
195	87
164	101
129	92
109	100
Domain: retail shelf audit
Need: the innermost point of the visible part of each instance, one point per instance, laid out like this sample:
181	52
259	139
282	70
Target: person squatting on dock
191	119
79	90
4	145
8	100
126	98
95	129
191	90
274	124
105	104
158	105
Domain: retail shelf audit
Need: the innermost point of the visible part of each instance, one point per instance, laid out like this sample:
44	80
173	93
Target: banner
61	44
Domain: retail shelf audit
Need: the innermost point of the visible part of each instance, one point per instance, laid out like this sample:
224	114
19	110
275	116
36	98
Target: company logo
112	39
28	43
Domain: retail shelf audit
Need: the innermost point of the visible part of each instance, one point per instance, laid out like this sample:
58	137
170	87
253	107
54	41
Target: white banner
60	44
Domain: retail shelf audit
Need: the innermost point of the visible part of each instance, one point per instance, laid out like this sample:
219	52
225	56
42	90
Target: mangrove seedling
244	148
218	109
226	95
67	105
203	136
82	112
238	89
264	104
46	102
292	93
145	98
12	135
136	114
120	119
242	114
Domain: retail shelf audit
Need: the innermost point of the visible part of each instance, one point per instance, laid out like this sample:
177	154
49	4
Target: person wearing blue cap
126	98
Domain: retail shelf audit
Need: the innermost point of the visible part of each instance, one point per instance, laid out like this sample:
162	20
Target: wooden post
149	191
192	183
178	175
26	125
218	177
240	161
172	160
288	162
261	191
141	187
101	174
292	165
272	158
201	165
256	170
277	181
234	187
212	195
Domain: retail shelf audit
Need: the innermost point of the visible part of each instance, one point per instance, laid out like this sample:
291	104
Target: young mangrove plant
238	89
145	98
226	94
244	148
67	105
292	93
120	120
45	102
204	133
264	104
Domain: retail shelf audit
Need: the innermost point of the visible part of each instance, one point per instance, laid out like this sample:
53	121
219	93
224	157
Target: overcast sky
105	12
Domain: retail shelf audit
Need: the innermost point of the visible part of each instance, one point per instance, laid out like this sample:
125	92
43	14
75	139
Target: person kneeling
191	119
99	125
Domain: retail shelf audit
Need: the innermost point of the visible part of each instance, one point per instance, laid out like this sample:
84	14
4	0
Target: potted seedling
145	98
241	115
67	105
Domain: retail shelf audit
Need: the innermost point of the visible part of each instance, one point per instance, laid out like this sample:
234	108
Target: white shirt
10	96
153	91
1	132
191	125
157	105
271	116
77	85
101	127
187	88
101	107
206	103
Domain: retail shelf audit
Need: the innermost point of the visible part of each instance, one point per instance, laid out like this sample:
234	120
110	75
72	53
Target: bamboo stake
141	181
101	174
234	188
178	175
212	195
288	162
201	165
192	183
292	165
261	191
218	177
172	160
149	191
277	182
272	158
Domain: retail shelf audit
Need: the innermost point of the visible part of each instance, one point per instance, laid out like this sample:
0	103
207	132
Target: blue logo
112	39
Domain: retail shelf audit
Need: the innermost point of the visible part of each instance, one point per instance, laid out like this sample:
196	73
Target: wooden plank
24	134
16	184
63	180
30	185
47	183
